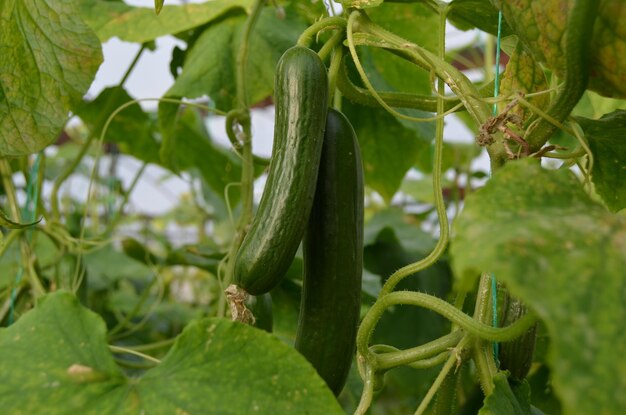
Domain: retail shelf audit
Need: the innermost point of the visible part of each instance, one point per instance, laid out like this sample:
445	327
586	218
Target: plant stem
9	189
117	349
443	374
247	170
482	352
367	394
117	215
306	37
396	358
442	214
439	306
458	83
331	44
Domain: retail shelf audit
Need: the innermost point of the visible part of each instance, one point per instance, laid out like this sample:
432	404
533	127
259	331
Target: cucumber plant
426	284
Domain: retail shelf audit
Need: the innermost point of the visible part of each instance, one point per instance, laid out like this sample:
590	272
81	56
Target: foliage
103	311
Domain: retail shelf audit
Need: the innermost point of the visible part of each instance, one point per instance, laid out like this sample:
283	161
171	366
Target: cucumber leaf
49	58
141	24
388	147
210	65
564	255
481	14
505	400
608	145
58	353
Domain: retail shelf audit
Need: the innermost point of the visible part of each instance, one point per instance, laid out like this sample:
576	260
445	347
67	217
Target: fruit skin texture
333	257
301	100
516	356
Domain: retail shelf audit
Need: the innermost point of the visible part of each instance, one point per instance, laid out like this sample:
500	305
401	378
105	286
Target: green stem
6	243
334	68
242	55
367	394
306	38
153	346
117	349
445	398
458	83
423	363
482	352
118	215
247	171
9	189
453	359
465	322
442	213
331	44
396	99
136	309
395	358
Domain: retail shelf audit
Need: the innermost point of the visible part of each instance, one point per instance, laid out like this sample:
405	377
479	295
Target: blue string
28	215
494	283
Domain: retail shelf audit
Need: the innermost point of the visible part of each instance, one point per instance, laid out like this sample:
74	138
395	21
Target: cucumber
516	356
333	257
301	100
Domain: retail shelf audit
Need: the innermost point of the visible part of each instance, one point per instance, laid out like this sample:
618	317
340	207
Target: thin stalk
441	377
117	216
247	171
439	306
117	349
368	393
397	357
306	38
442	214
483	351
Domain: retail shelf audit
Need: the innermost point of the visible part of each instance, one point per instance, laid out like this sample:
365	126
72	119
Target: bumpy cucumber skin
333	257
517	356
301	100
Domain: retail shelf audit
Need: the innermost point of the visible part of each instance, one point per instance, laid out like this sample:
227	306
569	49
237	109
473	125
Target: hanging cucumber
301	100
333	257
516	356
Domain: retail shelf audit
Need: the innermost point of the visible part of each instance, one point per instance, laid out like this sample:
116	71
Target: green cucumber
301	100
516	356
333	257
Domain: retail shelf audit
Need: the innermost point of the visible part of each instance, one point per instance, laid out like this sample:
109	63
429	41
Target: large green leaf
141	24
608	145
468	14
542	27
49	58
415	22
105	266
56	360
388	147
210	66
191	148
564	255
